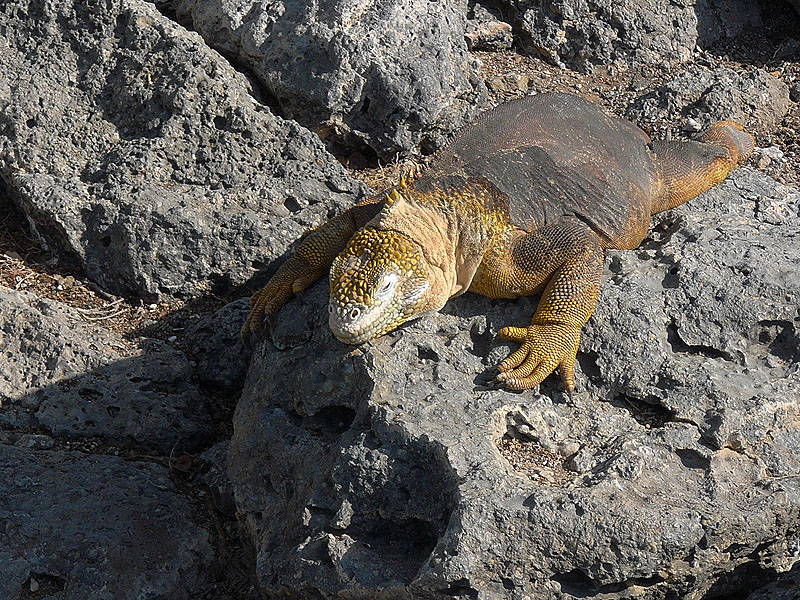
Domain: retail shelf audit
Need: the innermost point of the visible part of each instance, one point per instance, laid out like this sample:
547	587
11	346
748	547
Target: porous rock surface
67	533
708	96
384	471
584	33
485	31
134	147
394	75
71	378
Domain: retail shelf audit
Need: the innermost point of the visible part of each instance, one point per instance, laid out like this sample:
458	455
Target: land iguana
525	200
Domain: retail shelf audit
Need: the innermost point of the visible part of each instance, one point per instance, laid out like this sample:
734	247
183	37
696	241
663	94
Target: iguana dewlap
525	200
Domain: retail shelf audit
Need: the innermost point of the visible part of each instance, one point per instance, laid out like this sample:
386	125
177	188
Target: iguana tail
687	169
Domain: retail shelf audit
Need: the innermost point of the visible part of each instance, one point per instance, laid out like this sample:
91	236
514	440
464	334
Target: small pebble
692	125
569	448
34	585
773	152
521	81
172	338
498	84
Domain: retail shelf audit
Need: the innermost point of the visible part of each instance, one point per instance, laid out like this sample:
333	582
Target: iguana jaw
355	323
378	282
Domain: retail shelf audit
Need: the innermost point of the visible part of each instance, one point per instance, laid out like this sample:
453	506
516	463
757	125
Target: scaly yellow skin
357	277
397	256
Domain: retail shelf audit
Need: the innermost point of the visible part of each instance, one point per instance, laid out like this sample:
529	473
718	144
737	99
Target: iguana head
379	281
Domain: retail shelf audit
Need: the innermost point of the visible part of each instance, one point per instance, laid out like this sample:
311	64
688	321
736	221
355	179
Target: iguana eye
386	286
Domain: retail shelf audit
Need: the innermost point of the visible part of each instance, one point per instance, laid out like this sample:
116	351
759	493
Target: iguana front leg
567	259
311	260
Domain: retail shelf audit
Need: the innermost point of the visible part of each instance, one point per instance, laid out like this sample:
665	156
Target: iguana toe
544	347
265	306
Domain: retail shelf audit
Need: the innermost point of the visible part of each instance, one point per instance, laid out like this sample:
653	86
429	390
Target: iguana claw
544	347
266	302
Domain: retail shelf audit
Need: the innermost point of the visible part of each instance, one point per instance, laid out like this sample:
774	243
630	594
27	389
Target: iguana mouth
355	324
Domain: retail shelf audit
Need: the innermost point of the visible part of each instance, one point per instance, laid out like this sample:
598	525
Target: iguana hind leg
568	258
311	260
687	169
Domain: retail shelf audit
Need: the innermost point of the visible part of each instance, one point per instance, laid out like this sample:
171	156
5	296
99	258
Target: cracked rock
66	528
756	98
133	147
393	75
392	470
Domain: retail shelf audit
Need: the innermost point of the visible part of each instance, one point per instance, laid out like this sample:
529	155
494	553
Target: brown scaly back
555	156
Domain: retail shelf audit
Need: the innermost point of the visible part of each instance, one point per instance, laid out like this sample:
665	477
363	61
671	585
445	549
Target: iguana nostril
355	313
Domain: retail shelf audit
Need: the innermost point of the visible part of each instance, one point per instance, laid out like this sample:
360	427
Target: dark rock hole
680	347
692	459
482	338
780	337
106	241
427	354
507	583
671	279
331	420
365	106
47	585
645	413
578	584
221	123
589	366
89	394
292	205
460	589
113	411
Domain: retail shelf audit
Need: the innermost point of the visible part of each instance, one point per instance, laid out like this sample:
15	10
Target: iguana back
554	155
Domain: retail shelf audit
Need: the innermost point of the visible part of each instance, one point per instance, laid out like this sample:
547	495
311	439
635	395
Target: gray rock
773	152
787	587
484	31
95	527
393	75
75	379
754	99
132	146
215	345
384	471
584	33
215	478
